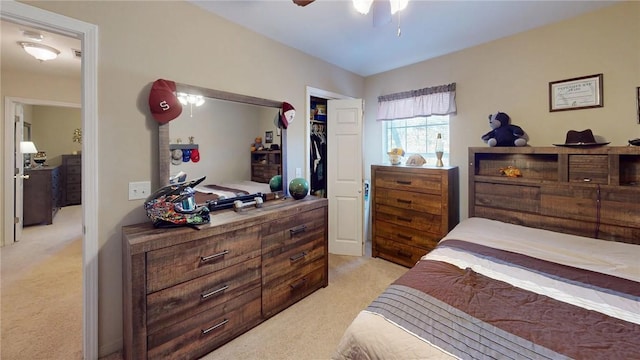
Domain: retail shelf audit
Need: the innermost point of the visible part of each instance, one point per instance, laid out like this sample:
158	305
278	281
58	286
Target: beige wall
140	42
52	131
143	41
513	74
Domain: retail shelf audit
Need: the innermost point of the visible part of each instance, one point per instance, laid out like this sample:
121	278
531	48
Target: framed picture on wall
577	93
268	136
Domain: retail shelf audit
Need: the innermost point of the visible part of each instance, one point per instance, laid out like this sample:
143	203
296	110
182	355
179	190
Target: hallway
41	291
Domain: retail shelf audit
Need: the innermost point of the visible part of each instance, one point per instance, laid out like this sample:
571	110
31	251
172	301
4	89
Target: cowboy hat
581	139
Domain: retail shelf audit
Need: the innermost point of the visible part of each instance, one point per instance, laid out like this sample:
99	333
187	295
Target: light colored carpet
41	291
312	328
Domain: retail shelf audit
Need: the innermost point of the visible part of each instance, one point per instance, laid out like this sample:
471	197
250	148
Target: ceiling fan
382	9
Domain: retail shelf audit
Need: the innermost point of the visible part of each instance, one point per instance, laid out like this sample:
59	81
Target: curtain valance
436	100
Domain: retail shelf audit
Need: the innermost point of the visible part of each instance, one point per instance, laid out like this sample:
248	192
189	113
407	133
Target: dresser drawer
73	179
72	160
409	218
397	252
410	200
278	267
179	263
170	305
73	170
74	197
280	294
279	234
405	235
425	183
200	334
592	169
74	187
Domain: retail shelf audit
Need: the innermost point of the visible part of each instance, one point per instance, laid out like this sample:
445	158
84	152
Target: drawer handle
404	219
404	254
403	182
406	237
214	256
298	284
211	293
297	230
404	201
221	323
298	257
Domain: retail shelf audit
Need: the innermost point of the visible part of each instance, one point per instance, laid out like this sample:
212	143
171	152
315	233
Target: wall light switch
298	172
139	190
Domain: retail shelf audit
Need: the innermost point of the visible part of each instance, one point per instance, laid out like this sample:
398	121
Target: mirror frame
164	168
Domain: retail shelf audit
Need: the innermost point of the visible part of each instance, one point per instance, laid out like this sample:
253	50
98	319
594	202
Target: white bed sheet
251	187
607	257
372	336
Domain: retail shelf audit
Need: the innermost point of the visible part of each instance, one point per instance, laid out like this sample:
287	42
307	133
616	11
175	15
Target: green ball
298	188
275	183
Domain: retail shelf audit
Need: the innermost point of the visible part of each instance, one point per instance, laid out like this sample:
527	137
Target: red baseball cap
283	117
163	103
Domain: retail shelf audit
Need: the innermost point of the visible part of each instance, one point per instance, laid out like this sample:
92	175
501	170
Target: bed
493	290
227	190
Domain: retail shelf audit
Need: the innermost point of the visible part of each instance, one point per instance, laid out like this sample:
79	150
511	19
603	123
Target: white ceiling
333	31
14	57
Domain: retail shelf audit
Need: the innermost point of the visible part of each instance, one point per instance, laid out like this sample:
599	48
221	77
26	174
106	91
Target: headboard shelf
593	192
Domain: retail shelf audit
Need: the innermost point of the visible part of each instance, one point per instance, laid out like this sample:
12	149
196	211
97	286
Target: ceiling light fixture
382	12
363	6
39	51
189	99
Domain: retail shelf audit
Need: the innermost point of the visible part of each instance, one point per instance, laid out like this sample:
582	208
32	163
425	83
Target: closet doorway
316	135
331	135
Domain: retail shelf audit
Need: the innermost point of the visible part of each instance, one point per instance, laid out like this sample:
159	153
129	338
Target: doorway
333	127
34	17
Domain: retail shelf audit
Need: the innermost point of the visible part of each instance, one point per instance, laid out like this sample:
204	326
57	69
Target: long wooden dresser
591	191
413	208
187	292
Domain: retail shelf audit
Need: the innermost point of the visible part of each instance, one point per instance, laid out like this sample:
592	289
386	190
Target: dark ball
298	188
275	183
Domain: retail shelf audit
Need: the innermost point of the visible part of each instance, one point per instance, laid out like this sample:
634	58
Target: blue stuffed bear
503	133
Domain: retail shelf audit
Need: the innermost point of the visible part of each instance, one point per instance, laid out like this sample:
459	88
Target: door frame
10	106
88	33
311	91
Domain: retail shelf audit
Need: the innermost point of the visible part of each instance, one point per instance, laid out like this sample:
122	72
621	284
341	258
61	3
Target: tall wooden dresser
413	208
187	292
71	180
41	196
265	164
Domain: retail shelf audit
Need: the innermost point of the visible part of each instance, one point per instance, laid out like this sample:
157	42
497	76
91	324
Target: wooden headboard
592	192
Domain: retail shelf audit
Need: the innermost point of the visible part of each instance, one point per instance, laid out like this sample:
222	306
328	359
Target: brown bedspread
473	316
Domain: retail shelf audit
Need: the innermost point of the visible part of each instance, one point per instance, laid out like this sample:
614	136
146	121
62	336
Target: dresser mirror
222	130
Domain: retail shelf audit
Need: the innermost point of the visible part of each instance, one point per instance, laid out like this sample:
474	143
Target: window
417	136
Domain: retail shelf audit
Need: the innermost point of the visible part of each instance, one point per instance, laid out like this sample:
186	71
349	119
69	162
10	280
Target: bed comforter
213	192
492	290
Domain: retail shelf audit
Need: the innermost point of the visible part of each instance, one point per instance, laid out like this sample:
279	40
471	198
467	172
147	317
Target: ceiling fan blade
303	2
381	12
